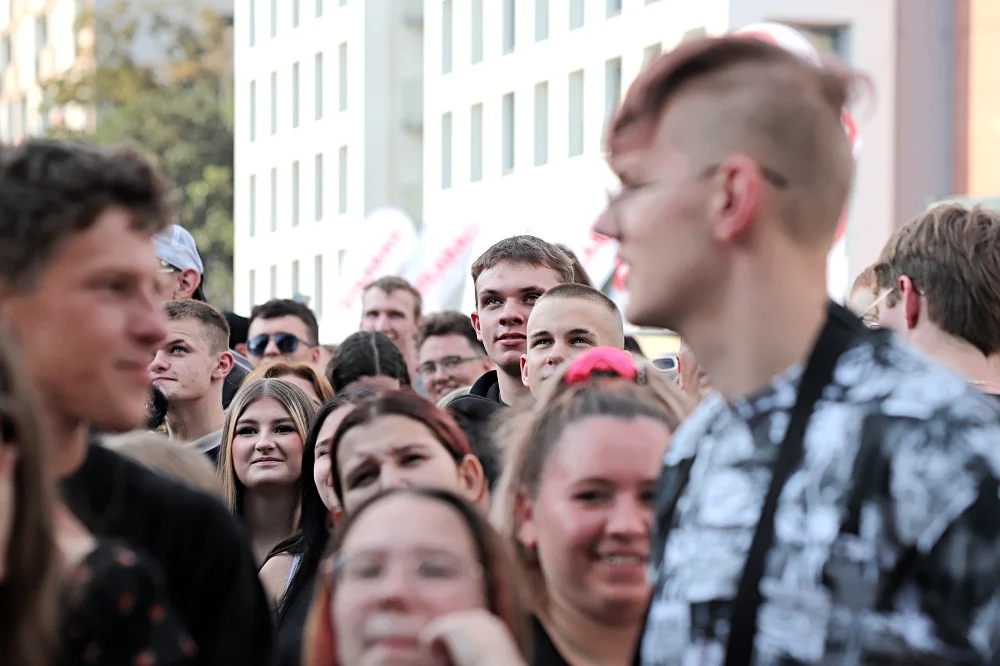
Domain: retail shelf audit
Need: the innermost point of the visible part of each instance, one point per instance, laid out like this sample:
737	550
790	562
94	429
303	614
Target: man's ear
224	366
475	324
241	349
315	354
524	369
187	282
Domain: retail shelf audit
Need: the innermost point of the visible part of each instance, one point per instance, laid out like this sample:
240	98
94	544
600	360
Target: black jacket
482	401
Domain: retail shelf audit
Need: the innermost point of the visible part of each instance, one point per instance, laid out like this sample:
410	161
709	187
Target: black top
545	653
241	368
209	571
119	613
292	626
482	401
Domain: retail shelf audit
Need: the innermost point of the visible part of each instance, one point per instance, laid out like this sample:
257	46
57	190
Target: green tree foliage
162	78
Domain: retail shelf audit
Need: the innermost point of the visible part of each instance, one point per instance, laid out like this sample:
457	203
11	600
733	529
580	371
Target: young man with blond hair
836	500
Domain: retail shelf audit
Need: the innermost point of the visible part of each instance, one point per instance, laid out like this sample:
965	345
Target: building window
446	151
318	285
295	193
477	31
446	37
576	9
342	179
253	110
649	2
612	7
318	186
651	53
576	113
319	85
295	13
342	76
476	143
509	27
508	132
319	7
274	103
274	18
295	95
274	199
253	22
41	32
541	123
825	39
253	288
612	87
273	291
541	20
295	279
253	206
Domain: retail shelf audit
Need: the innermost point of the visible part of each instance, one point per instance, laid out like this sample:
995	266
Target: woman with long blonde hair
260	461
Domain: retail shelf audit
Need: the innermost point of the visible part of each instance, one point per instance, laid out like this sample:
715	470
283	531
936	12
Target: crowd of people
817	485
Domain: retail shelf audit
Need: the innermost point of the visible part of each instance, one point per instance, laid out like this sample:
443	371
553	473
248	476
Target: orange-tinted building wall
977	98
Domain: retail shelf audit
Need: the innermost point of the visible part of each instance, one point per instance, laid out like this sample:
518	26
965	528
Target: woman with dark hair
369	358
401	439
289	574
29	558
459	602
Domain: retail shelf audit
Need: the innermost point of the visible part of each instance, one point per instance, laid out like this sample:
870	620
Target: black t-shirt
210	573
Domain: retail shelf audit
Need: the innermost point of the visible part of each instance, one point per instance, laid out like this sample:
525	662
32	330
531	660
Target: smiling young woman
260	462
576	502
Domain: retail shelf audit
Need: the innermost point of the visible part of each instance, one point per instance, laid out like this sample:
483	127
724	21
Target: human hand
473	638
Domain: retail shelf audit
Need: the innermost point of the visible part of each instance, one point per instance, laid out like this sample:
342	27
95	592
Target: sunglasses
286	343
603	361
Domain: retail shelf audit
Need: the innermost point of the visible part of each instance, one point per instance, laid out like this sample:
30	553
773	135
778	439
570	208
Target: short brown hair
761	100
211	320
391	283
450	322
53	190
952	254
525	250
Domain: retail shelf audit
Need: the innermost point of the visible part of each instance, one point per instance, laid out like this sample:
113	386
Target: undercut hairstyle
952	254
742	95
450	322
286	307
525	251
211	321
367	354
580	275
53	190
392	283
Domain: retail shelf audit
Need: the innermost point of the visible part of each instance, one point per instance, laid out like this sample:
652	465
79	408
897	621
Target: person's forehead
189	330
449	533
557	315
509	277
283	324
110	243
443	345
266	407
398	299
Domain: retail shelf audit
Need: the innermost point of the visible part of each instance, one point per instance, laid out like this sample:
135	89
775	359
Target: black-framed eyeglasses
286	343
449	364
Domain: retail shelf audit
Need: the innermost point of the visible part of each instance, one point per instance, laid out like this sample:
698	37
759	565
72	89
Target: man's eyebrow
539	334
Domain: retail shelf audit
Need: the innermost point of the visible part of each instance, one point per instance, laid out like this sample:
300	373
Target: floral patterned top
118	613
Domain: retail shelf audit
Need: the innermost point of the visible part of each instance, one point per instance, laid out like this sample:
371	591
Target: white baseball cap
175	246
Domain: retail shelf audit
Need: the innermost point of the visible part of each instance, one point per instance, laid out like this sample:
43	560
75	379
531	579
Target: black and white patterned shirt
910	574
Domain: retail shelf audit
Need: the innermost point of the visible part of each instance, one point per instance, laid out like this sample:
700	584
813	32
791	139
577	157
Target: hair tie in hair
603	361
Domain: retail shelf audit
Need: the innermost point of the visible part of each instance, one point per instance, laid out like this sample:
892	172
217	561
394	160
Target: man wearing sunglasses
283	330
